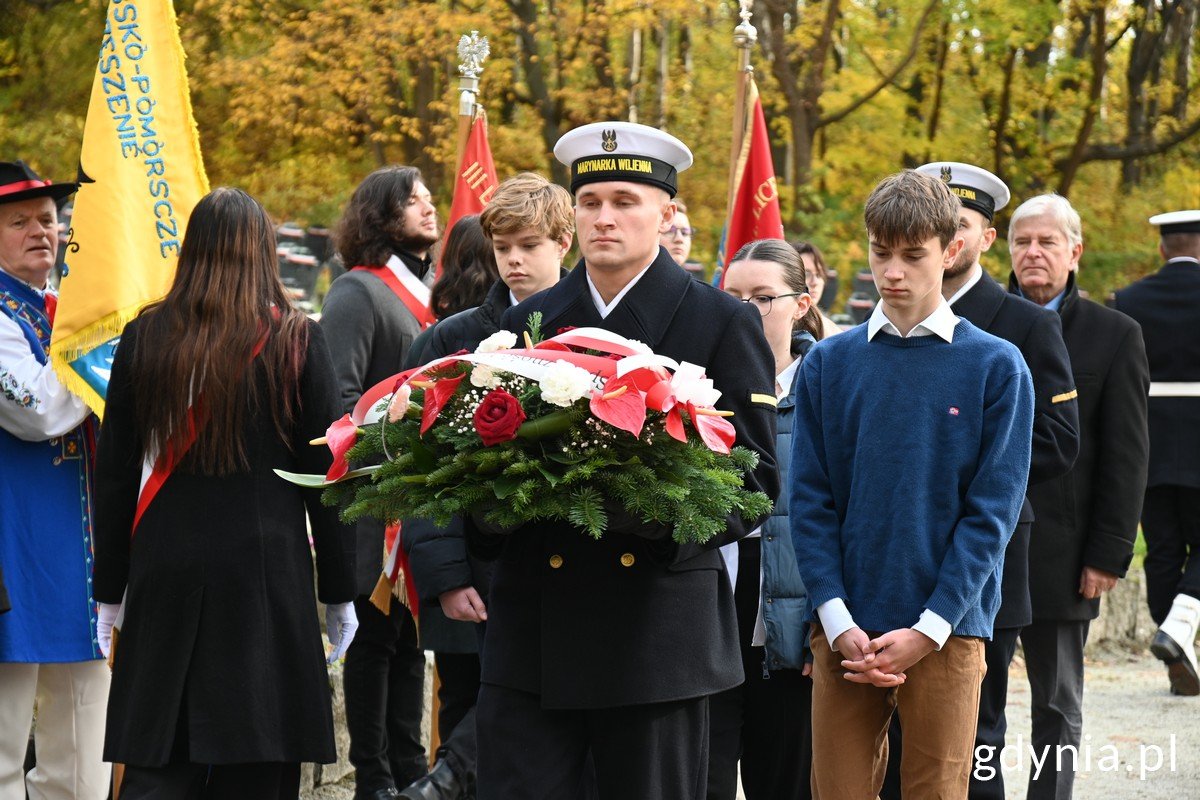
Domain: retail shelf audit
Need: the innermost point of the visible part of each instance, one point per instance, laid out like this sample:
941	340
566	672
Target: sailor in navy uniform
610	648
1167	305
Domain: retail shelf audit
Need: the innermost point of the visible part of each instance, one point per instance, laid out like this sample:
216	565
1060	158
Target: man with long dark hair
371	316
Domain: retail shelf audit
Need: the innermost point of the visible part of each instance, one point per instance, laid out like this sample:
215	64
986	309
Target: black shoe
440	784
386	793
1180	670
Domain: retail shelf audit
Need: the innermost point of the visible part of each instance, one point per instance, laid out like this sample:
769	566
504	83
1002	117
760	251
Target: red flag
755	213
476	181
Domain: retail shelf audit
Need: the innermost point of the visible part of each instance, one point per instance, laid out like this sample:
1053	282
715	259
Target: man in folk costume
48	641
370	318
609	649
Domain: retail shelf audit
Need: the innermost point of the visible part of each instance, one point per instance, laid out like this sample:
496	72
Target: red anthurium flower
436	397
340	436
716	432
621	405
674	424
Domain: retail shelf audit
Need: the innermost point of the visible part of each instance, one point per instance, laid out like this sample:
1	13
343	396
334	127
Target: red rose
498	417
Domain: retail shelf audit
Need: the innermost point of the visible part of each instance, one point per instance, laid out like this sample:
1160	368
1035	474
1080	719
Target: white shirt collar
940	323
1183	258
512	298
976	276
605	310
784	379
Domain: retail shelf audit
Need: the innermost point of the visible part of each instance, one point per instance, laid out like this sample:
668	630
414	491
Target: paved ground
1143	743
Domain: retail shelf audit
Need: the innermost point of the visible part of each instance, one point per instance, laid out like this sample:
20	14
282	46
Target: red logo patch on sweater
953	411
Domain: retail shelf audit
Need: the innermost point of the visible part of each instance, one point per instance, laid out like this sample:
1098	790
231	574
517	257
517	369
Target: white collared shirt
783	381
605	310
834	615
940	323
976	276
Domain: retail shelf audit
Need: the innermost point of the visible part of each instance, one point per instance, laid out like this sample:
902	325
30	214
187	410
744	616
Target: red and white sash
406	286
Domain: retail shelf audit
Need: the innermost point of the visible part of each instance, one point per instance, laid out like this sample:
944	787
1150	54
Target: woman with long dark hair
766	722
219	685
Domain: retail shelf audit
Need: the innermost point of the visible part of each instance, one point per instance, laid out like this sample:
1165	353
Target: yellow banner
141	174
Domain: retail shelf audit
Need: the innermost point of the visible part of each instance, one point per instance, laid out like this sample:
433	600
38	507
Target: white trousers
72	700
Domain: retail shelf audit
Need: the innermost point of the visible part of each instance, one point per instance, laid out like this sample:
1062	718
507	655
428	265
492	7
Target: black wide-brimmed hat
19	182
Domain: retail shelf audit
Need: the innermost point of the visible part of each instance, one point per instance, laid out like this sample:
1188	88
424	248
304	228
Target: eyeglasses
686	233
763	302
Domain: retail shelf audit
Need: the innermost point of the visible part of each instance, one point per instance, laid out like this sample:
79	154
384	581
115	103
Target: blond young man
530	223
909	461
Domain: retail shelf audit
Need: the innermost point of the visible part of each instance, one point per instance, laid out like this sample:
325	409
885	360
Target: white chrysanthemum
640	347
564	383
691	386
484	377
500	340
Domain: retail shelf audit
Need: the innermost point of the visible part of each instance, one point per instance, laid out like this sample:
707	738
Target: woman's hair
195	345
804	248
371	229
777	251
468	269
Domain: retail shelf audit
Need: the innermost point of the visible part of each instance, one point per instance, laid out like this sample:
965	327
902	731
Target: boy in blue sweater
909	461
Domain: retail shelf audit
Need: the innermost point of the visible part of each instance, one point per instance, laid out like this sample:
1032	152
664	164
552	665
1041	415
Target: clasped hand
881	661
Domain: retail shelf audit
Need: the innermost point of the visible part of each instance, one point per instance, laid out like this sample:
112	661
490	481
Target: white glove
340	624
105	617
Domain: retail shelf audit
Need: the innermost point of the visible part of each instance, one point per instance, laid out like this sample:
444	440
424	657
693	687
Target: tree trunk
535	79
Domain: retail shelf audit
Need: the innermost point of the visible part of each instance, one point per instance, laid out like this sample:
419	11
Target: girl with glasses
766	721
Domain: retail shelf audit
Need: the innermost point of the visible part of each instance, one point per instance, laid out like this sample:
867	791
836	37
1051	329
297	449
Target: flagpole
744	37
472	51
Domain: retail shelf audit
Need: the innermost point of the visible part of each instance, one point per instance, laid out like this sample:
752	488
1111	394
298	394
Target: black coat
1037	333
437	557
1167	306
592	632
1089	516
369	332
221	644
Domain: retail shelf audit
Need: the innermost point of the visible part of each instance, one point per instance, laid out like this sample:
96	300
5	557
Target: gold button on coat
556	561
627	559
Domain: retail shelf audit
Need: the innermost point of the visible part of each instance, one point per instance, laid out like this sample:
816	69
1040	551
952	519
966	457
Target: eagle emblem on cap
946	175
608	140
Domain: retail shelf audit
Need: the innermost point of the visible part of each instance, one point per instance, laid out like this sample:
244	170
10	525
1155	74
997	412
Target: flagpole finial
745	35
473	50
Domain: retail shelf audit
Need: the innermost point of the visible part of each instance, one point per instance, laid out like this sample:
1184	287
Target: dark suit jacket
1037	333
591	632
369	331
1089	516
1167	306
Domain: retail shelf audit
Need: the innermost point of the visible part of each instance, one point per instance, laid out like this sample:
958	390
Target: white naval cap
976	188
623	151
1177	221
